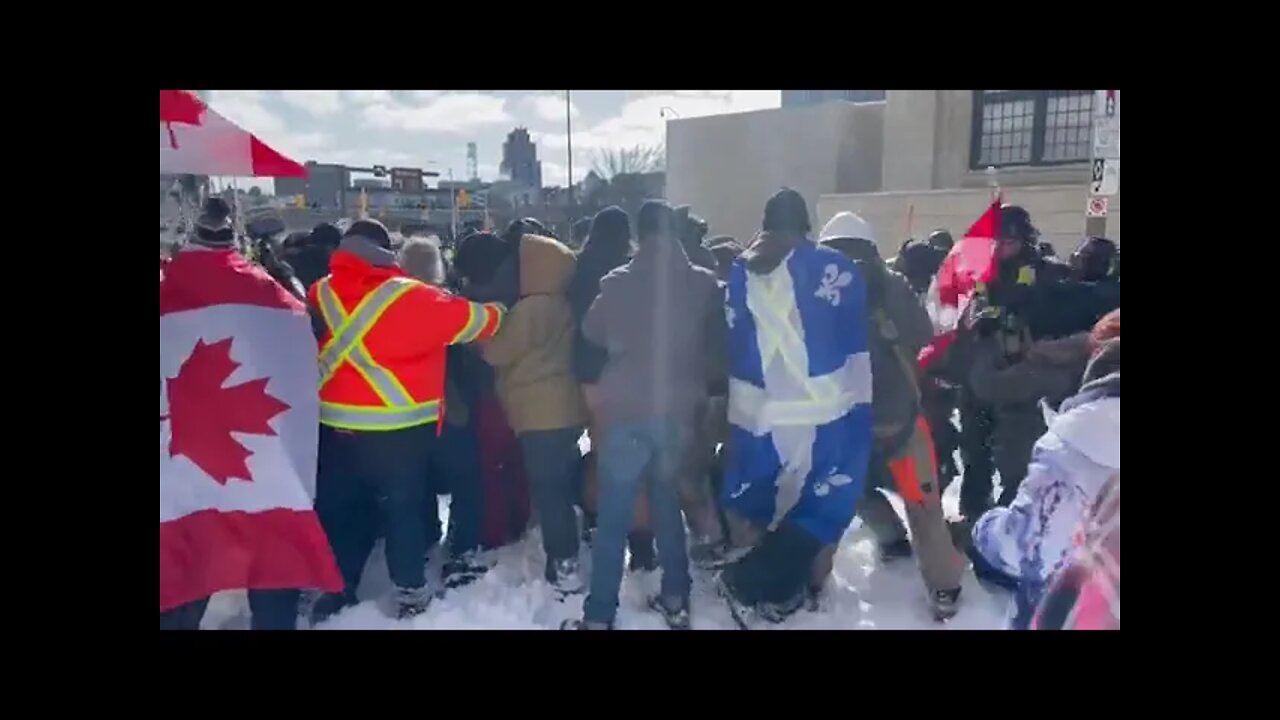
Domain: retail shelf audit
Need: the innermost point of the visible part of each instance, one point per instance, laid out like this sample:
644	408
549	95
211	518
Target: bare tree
612	162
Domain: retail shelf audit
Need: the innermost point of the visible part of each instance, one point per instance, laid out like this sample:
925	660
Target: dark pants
457	466
1017	428
505	485
375	483
269	609
976	425
938	404
551	458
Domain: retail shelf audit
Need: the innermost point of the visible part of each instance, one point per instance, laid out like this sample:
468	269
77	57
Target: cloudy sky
430	129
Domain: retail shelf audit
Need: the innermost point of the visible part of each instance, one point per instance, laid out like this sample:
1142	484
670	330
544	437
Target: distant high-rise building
801	98
520	159
473	167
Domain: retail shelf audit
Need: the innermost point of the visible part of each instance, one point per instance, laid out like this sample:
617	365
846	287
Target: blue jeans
627	450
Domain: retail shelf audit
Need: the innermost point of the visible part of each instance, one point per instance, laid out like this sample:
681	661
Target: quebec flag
799	392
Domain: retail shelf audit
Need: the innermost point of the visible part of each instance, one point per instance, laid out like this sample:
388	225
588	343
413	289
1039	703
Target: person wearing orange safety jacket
383	337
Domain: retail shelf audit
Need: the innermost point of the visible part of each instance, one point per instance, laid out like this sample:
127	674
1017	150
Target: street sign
1097	206
1105	178
1106	124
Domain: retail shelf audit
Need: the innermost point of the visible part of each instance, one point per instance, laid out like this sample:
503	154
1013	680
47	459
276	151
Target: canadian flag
972	260
239	417
196	140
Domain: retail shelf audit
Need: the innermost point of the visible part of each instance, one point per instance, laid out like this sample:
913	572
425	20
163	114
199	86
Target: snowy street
862	595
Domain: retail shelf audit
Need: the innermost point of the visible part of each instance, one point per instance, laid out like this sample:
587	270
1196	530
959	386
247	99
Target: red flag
239	414
180	106
972	260
195	139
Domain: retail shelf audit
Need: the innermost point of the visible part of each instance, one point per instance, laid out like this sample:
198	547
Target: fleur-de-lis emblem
832	281
822	488
730	315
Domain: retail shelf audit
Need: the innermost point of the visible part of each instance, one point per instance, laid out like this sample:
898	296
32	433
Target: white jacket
1032	538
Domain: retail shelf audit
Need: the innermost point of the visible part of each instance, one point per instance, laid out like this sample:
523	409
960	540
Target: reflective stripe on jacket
382	354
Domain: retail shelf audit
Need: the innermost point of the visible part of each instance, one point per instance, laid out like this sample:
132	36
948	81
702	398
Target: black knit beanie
371	230
213	226
786	211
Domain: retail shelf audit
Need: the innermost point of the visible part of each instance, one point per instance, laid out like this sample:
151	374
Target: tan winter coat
533	352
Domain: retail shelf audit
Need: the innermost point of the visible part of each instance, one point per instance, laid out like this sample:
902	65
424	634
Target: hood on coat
769	249
546	266
847	225
1093	428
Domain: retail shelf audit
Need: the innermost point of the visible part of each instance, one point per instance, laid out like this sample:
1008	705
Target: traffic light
463	199
379	171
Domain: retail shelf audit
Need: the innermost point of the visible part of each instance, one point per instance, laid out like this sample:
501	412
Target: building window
1030	127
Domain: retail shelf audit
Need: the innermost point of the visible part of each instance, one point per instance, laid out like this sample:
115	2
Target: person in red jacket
382	337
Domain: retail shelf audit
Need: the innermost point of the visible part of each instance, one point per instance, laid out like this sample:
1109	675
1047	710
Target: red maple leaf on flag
203	414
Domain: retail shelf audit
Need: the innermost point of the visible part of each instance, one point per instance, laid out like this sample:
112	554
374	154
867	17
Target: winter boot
944	604
988	575
328	605
644	556
411	602
773	576
778	612
575	624
675	613
565	576
462	571
713	555
896	550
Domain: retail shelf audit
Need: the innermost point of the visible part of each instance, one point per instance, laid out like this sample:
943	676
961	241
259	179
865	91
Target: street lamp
662	112
568	134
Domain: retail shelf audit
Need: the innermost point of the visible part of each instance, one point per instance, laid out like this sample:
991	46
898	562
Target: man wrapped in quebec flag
799	409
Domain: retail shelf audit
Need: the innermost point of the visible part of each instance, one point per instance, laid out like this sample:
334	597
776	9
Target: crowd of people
743	403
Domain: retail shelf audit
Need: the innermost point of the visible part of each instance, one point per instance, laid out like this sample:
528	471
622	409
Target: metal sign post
1104	176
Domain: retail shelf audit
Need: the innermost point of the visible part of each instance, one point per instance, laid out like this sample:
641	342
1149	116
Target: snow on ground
861	595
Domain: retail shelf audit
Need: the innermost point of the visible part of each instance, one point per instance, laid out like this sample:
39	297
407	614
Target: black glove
982	317
279	270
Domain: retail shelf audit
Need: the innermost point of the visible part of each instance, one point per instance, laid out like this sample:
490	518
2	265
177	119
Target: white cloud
550	107
368	97
448	113
553	173
305	146
641	121
316	102
245	108
365	157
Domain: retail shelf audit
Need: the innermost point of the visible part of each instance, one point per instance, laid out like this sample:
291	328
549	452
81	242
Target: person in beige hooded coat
533	357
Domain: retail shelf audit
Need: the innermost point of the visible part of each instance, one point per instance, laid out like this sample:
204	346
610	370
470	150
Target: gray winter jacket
899	329
661	319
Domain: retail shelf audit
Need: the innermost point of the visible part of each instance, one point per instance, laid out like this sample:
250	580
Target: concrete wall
927	146
1056	210
727	166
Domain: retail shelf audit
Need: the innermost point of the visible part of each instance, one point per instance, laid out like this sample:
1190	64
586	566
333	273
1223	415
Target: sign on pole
1104	176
